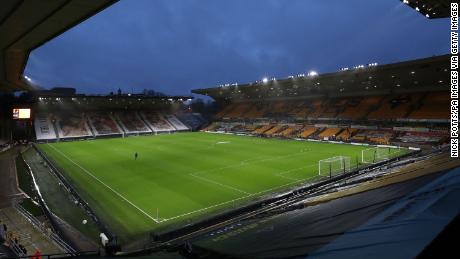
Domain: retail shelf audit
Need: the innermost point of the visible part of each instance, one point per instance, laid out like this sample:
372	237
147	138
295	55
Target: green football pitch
181	177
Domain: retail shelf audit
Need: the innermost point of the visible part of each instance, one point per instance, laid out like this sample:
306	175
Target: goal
334	165
376	154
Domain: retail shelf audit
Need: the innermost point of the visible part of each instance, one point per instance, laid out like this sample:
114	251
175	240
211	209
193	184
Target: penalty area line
237	199
220	184
108	187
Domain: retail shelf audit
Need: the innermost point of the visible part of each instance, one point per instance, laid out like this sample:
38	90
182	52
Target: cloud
176	45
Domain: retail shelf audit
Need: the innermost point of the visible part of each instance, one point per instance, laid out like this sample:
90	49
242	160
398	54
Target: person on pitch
135	156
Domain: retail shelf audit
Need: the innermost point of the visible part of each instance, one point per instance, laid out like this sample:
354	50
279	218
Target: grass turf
184	176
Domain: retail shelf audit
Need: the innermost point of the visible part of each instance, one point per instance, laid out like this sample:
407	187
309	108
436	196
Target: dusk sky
174	46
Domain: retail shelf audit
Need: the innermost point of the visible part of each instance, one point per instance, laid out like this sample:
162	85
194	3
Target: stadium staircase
57	131
173	120
346	134
307	132
262	129
30	233
149	126
120	124
329	132
88	122
273	130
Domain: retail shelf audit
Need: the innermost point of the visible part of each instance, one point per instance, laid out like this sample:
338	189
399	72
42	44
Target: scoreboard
21	113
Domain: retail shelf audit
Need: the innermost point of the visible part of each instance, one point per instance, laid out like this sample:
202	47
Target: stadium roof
26	25
432	9
428	74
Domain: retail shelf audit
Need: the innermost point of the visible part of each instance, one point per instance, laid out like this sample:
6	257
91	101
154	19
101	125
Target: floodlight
312	73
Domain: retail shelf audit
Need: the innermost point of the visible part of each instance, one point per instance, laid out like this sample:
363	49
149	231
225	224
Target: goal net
334	165
377	154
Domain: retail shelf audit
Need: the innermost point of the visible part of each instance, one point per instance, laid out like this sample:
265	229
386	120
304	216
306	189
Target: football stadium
352	163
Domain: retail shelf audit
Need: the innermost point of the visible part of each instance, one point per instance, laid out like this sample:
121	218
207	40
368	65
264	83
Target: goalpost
376	154
334	165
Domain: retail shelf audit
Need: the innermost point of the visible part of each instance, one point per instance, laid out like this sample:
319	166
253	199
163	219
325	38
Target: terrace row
346	133
69	125
420	106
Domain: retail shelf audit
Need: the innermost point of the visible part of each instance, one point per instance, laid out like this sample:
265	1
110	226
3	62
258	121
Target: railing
90	254
41	228
54	237
102	227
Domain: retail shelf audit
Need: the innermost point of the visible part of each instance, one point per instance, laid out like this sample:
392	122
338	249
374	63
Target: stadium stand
380	137
274	130
262	129
176	123
237	110
381	107
316	109
23	237
424	137
225	111
44	128
193	120
346	134
289	131
329	133
307	131
131	122
375	136
103	123
255	111
72	125
157	122
394	107
358	108
367	118
211	127
433	106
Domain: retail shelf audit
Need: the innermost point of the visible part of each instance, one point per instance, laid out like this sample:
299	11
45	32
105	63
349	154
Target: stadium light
265	80
312	73
406	1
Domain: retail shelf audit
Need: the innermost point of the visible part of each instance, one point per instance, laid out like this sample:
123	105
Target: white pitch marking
237	199
220	184
108	187
244	163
